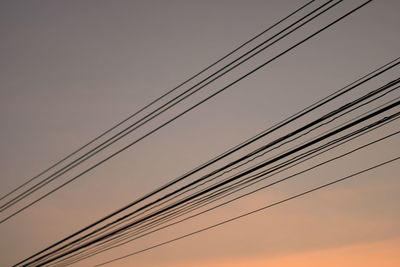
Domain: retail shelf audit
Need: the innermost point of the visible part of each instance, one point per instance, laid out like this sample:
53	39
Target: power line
207	198
258	167
274	142
219	205
254	211
265	152
187	110
155	113
98	222
356	108
250	177
343	141
116	212
374	99
276	147
312	167
158	99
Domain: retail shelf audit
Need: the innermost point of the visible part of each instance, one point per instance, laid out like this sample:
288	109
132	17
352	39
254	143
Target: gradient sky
71	69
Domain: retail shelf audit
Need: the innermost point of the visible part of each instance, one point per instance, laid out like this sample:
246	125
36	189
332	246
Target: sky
72	69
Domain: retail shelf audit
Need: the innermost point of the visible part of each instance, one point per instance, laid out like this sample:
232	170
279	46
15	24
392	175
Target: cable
286	121
254	191
60	241
219	205
187	110
157	99
207	181
274	148
311	168
155	113
234	147
140	122
270	170
230	180
246	180
309	131
254	211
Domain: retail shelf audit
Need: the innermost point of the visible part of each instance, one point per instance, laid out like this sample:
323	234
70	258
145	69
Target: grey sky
71	69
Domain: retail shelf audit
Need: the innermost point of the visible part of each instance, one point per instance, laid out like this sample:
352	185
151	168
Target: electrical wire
152	115
343	141
363	104
125	132
254	211
317	140
158	99
278	124
216	177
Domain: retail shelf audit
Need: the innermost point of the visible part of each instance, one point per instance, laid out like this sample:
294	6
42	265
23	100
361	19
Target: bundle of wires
209	187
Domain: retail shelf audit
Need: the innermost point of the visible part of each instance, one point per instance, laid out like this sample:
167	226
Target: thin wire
260	135
165	107
270	150
363	104
232	179
268	171
145	119
370	94
157	99
111	246
313	123
108	217
269	159
108	247
274	148
186	111
310	106
254	211
256	178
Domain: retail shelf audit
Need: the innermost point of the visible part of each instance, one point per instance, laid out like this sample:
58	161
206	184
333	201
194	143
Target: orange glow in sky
384	253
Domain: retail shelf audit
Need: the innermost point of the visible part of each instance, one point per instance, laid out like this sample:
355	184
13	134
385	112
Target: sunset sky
71	69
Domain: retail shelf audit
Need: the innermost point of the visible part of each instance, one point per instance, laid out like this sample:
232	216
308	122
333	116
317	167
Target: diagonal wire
145	119
157	99
155	113
370	94
258	189
258	167
186	111
254	211
252	159
271	150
